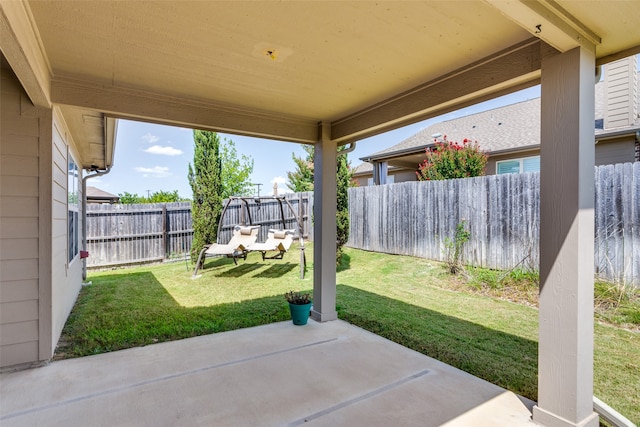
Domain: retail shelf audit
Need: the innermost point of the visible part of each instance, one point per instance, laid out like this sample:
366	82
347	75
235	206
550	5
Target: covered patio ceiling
329	73
278	69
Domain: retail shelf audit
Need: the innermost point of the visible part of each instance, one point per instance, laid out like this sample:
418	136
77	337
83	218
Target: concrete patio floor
321	374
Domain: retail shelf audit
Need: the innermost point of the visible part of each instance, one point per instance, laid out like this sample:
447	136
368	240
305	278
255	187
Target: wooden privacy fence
502	212
618	222
151	232
126	234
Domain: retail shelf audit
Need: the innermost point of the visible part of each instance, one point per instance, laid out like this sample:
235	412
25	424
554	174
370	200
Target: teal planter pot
300	313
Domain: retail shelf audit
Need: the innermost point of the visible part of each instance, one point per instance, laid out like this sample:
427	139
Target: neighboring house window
72	208
527	164
369	181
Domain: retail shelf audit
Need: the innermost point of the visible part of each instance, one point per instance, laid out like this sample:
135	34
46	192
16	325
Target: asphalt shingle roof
505	128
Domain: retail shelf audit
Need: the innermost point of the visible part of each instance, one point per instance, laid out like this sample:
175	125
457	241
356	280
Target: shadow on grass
133	309
240	270
498	357
276	271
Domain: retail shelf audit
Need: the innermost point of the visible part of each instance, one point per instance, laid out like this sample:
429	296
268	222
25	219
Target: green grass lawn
408	300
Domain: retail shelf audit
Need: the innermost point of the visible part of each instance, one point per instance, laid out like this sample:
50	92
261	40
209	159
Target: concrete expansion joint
365	396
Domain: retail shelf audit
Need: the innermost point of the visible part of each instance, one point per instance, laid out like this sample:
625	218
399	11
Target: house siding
404	176
66	276
398	176
621	93
20	214
614	152
38	283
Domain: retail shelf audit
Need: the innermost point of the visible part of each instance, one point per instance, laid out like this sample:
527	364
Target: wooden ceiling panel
329	58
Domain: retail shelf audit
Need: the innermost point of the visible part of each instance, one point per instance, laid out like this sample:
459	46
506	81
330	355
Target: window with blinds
525	164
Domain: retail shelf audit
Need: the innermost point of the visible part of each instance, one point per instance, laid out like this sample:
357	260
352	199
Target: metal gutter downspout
352	146
84	213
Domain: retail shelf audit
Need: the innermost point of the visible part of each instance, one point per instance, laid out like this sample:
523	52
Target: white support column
324	228
565	353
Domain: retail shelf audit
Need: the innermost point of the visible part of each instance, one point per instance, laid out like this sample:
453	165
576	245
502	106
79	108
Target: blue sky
152	157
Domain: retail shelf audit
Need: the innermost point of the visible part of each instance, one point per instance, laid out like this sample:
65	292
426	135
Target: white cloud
280	180
165	151
154	172
150	138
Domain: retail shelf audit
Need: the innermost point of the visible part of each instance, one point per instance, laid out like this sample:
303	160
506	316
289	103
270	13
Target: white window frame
520	160
73	209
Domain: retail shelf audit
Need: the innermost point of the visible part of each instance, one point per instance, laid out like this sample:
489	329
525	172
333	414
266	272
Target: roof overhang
94	135
620	133
410	158
224	66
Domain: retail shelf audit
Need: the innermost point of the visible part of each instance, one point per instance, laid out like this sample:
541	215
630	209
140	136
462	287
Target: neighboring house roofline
515	150
390	155
96	195
612	134
366	168
420	149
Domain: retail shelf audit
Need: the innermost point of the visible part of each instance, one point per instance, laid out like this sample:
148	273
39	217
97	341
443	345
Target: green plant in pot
300	307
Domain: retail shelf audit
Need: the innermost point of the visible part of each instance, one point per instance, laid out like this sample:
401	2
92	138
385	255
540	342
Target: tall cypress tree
206	185
344	181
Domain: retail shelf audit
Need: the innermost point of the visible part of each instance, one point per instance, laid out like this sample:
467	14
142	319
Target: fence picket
129	234
503	215
411	218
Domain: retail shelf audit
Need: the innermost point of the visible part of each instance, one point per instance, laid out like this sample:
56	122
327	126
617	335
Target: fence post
165	236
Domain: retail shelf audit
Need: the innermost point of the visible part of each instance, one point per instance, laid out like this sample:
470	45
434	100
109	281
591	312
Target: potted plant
300	307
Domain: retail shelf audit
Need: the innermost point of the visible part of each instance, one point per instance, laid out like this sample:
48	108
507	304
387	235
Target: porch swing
243	240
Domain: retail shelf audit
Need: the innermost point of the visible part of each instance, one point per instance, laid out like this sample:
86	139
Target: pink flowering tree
449	159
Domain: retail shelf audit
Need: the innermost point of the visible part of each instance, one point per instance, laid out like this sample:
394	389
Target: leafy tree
127	198
302	178
164	197
161	196
236	171
205	178
448	160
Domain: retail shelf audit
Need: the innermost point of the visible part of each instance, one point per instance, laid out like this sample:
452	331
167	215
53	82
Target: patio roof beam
515	68
132	104
22	48
547	20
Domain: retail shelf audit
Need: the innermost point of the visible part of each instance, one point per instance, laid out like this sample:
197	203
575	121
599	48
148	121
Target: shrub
453	248
448	160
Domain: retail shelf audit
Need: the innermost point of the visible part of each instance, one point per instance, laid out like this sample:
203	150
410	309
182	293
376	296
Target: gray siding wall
20	279
621	91
404	176
613	152
66	275
38	286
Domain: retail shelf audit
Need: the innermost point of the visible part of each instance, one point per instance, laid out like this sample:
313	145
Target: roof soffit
355	61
